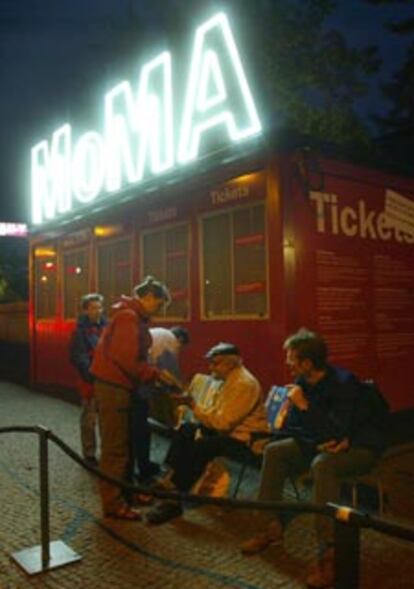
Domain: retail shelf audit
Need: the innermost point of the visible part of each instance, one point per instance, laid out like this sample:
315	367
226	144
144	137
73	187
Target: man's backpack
373	406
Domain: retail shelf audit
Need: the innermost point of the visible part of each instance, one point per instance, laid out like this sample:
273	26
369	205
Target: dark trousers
113	411
189	454
140	434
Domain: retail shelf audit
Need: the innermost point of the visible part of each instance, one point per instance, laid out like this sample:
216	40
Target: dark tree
400	91
13	269
397	125
309	77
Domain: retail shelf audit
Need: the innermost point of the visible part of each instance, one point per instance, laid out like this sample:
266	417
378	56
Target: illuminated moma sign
140	136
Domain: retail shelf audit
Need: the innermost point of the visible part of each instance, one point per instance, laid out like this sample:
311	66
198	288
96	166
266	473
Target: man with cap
222	428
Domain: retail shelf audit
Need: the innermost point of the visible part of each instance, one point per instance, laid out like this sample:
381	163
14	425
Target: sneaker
140	499
321	573
164	511
125	512
272	535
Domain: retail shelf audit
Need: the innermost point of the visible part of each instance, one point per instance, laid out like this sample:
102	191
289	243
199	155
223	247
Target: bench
202	387
376	478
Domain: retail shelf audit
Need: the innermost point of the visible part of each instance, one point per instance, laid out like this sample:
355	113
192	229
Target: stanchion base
30	559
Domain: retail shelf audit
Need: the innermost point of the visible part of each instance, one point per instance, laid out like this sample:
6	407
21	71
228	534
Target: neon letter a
217	90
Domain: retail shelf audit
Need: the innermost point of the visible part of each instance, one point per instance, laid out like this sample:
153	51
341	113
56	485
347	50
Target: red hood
129	303
121	354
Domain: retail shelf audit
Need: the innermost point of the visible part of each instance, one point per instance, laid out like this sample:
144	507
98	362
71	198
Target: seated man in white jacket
221	429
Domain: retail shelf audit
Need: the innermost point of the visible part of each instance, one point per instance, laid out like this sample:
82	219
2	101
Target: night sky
42	43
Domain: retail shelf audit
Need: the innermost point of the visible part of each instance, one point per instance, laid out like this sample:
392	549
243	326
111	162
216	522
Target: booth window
114	270
45	289
75	281
234	263
165	255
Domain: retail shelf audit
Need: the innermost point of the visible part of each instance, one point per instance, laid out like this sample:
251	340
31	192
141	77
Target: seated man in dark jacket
323	432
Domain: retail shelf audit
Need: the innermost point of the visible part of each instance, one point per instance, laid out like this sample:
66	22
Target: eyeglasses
215	361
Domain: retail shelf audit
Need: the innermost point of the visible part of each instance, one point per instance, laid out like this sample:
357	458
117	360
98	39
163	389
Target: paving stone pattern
197	551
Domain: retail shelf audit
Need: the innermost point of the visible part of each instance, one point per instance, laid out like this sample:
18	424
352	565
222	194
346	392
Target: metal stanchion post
44	497
347	548
48	555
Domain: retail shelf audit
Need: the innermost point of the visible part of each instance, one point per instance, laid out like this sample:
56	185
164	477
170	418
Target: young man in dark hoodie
119	366
328	431
81	348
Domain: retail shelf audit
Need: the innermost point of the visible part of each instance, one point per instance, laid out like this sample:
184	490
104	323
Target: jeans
283	459
88	421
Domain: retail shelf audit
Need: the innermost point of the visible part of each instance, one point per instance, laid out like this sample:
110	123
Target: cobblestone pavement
197	551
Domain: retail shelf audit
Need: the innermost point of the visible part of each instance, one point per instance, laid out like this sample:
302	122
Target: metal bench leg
380	494
380	491
240	478
295	488
355	494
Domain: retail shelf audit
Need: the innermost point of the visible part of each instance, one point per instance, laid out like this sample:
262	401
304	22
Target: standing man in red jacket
120	366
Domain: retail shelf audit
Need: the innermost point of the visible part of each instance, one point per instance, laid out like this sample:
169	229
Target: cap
223	349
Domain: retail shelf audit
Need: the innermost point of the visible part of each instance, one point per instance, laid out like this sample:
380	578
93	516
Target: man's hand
334	447
184	400
297	397
167	377
327	446
341	446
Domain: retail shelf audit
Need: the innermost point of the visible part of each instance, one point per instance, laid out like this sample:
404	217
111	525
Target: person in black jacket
82	345
324	432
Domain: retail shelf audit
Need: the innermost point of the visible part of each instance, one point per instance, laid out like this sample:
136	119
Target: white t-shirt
162	341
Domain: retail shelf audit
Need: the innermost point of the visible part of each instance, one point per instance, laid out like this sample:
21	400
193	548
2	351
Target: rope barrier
348	521
356	517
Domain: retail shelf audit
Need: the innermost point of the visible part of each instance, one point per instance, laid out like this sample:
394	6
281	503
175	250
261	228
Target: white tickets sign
141	136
